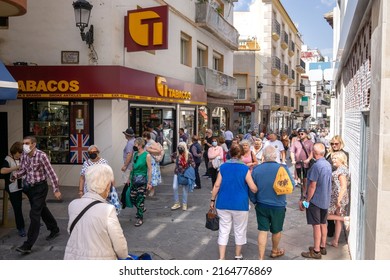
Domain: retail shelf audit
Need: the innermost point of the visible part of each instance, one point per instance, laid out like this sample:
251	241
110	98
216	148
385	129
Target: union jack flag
79	144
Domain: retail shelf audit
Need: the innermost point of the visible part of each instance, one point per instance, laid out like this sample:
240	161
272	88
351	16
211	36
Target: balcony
275	69
275	30
300	91
291	77
284	43
216	84
284	73
209	19
301	66
275	101
291	48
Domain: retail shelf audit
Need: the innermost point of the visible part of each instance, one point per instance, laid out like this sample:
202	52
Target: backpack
282	183
159	157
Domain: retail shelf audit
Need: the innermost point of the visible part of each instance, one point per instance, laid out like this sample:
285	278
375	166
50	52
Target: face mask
214	144
92	155
26	148
135	148
181	150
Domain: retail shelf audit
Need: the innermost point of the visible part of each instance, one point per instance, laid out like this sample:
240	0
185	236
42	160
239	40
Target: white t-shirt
278	146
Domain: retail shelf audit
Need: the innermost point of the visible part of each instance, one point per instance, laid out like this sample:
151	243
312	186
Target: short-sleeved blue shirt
321	172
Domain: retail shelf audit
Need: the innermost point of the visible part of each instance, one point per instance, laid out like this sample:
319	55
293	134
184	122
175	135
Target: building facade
154	61
359	115
280	65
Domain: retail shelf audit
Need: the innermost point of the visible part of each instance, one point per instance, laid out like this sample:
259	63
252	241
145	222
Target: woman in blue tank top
230	196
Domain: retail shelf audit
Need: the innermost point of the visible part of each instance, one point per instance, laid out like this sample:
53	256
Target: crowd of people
241	168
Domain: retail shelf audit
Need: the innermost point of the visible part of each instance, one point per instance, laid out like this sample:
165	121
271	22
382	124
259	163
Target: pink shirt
299	153
213	152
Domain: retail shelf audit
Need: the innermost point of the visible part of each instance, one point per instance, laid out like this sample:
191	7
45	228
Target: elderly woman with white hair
184	160
97	234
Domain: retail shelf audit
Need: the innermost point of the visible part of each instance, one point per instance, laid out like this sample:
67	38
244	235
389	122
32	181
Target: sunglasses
301	133
335	144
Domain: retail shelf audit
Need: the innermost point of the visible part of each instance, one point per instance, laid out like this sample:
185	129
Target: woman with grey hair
248	157
97	235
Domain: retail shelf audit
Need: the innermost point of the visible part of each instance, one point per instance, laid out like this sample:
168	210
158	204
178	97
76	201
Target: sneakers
175	206
184	207
322	250
239	258
24	249
53	234
311	254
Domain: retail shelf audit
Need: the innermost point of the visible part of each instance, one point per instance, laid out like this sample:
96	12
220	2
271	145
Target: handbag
312	161
139	180
182	180
125	197
212	220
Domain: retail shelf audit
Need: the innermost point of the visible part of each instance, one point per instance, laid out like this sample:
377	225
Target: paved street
170	235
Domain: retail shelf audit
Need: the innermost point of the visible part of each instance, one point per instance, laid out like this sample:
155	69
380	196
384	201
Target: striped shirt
36	169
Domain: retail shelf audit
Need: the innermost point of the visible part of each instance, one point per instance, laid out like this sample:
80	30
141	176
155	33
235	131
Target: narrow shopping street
171	235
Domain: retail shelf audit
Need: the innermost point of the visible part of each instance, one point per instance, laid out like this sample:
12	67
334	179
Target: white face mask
26	148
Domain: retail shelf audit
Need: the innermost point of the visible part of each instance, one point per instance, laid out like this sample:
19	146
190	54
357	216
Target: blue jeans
175	187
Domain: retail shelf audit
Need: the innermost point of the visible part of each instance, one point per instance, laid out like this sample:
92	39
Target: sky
308	16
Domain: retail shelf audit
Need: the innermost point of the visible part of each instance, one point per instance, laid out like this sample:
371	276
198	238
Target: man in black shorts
319	188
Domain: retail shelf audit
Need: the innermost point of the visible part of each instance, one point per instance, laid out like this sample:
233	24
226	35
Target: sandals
138	223
239	258
276	254
335	245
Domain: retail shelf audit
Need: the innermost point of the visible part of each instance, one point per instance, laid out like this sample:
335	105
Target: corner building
168	62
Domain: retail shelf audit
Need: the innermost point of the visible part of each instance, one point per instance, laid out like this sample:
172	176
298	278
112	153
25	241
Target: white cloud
330	3
243	5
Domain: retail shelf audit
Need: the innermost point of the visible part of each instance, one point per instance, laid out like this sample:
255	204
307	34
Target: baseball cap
302	130
129	132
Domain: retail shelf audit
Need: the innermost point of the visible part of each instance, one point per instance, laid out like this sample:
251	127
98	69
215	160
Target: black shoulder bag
82	213
312	161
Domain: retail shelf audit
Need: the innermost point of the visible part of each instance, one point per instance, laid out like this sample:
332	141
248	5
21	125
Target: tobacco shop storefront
69	108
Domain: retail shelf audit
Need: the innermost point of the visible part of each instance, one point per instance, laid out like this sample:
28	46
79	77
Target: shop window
62	129
185	49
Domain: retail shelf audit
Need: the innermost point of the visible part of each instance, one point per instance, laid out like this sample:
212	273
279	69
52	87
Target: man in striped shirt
35	167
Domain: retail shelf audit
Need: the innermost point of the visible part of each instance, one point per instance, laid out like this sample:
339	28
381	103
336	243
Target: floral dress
341	170
156	172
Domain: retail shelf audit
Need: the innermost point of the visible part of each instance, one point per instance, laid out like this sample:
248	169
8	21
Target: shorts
304	172
270	219
316	215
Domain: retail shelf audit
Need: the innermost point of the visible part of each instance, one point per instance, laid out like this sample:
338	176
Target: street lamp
82	12
259	87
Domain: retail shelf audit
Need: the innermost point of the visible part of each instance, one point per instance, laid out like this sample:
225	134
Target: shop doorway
3	135
141	115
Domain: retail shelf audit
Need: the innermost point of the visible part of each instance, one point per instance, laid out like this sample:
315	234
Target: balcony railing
284	43
216	84
284	74
209	19
291	76
301	66
275	65
291	48
300	90
275	29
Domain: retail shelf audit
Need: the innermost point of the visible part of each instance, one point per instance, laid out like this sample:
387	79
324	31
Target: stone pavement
171	235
